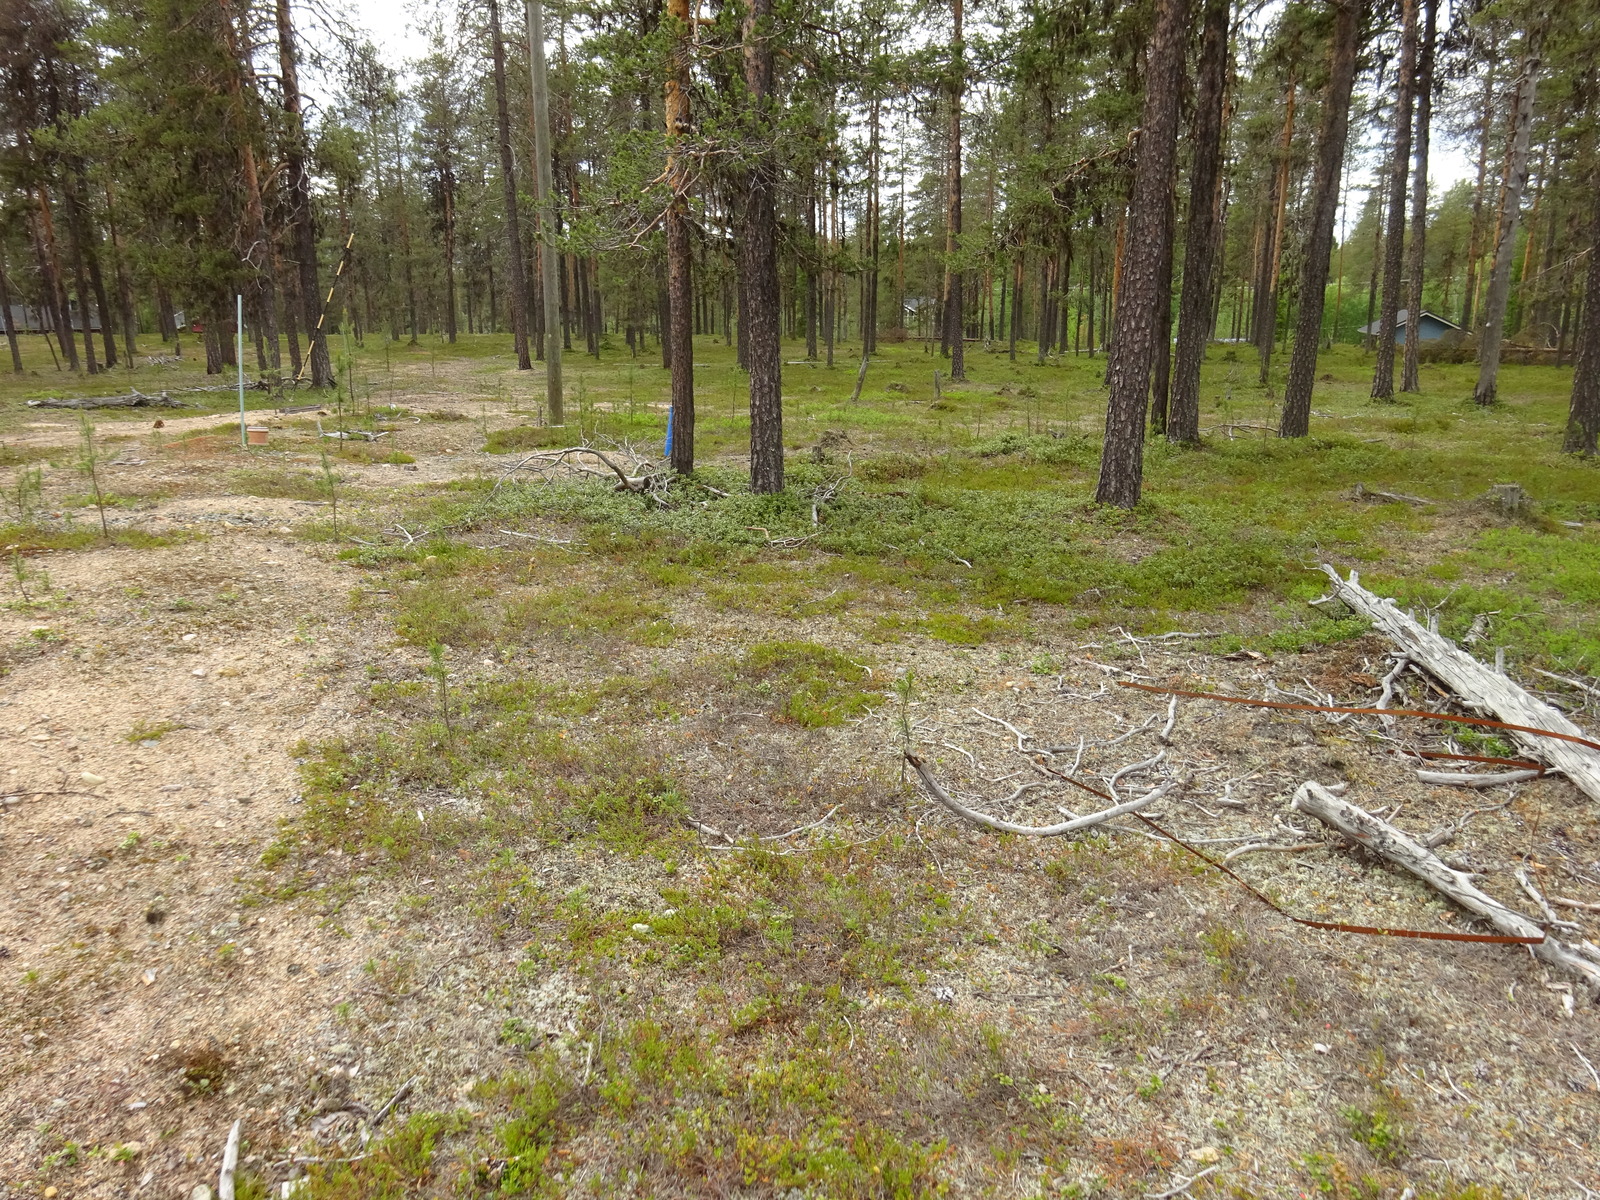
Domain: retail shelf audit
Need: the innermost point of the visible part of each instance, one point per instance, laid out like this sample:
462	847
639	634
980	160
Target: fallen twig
1271	847
1568	902
1165	736
401	1094
1183	1186
1537	897
1020	735
1593	1074
1363	492
701	827
778	837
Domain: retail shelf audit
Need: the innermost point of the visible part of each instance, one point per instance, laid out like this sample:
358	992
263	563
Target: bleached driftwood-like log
1477	685
1002	826
1391	844
1462	779
230	1163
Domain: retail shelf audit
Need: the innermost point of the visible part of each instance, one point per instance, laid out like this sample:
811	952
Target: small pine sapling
904	689
26	493
89	468
332	480
441	675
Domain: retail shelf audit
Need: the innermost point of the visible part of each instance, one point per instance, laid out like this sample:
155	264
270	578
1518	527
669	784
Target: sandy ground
148	732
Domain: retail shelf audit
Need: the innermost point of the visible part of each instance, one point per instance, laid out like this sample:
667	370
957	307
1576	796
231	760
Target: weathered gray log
1389	843
1478	686
1460	779
135	399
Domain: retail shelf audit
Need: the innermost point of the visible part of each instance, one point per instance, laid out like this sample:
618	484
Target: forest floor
337	772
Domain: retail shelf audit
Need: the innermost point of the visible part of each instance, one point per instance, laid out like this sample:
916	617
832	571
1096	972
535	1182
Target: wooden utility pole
680	280
544	197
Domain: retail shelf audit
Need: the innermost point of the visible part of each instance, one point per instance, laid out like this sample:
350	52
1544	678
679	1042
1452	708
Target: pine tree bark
1133	339
44	242
80	279
544	196
760	259
1492	330
1267	320
1201	243
259	255
1583	420
1161	377
1475	237
1416	254
302	220
954	311
5	315
680	280
516	270
1331	141
1394	246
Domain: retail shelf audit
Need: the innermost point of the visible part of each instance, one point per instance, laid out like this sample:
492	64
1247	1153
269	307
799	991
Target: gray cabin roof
1400	322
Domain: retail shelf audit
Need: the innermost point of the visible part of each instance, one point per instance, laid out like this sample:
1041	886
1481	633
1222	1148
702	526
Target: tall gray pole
546	203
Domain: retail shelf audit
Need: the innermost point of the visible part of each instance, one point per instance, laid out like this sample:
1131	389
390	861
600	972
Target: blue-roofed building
1430	328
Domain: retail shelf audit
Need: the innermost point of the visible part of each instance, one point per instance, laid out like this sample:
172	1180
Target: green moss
814	685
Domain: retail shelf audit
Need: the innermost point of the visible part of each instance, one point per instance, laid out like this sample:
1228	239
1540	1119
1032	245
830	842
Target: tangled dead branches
642	474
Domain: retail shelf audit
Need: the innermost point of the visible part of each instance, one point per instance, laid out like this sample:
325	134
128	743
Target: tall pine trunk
954	314
759	315
1394	247
1133	338
680	280
44	243
1475	237
1267	313
1492	334
1416	262
302	220
516	271
544	195
265	292
5	315
1201	242
1331	140
1583	421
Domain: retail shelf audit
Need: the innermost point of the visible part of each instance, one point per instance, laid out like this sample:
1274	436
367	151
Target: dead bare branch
977	818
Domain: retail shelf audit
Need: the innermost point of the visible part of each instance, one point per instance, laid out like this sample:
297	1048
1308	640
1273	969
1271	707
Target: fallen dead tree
999	825
1396	847
1478	687
135	399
